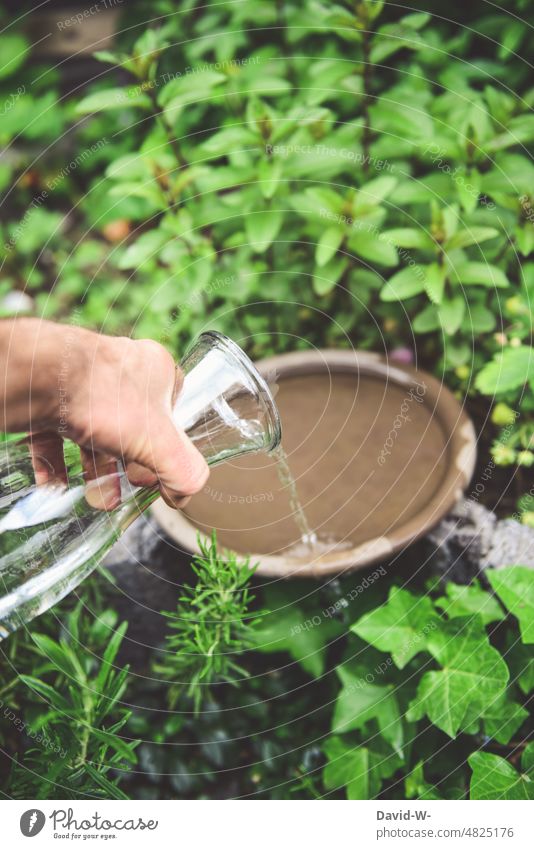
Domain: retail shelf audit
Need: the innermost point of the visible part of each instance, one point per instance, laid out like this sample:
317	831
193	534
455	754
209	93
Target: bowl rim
460	438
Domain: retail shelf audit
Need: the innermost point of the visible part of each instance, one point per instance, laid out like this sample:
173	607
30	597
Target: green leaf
360	769
520	659
14	50
503	718
472	236
451	314
360	701
327	245
404	284
470	601
473	674
374	249
401	626
427	320
509	369
479	319
349	767
112	98
143	249
269	175
374	192
50	695
262	228
190	87
494	778
515	588
115	742
480	274
435	276
109	656
416	787
61	656
111	790
296	628
408	237
325	279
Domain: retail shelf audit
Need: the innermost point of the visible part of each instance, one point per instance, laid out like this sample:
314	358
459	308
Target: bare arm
112	396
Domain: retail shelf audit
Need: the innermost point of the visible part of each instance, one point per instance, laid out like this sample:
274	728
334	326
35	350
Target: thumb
179	467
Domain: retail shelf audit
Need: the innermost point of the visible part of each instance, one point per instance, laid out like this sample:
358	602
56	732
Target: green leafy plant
450	672
211	628
68	707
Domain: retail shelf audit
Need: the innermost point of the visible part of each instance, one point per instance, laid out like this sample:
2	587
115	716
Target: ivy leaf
503	718
296	628
473	674
349	767
520	660
360	701
470	601
404	284
509	369
494	778
400	626
262	228
416	787
360	769
515	588
327	245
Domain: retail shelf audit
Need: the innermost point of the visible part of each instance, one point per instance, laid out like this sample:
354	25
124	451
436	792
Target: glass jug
51	538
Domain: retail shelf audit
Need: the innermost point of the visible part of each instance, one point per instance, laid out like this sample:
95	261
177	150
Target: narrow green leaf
328	244
409	237
435	276
451	314
262	228
472	236
481	274
112	98
404	284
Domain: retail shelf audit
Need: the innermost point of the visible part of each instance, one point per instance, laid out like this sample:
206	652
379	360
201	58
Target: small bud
462	372
503	455
502	415
525	458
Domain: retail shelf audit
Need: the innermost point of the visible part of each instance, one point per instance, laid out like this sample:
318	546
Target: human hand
112	396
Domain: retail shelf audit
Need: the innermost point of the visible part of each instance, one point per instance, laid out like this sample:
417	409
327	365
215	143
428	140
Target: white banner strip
264	825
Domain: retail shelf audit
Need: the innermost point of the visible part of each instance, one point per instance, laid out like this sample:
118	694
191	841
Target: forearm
36	358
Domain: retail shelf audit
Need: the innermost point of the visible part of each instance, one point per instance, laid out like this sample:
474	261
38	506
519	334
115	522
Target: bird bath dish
380	453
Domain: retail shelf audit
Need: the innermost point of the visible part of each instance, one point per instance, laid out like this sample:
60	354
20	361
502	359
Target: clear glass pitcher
51	537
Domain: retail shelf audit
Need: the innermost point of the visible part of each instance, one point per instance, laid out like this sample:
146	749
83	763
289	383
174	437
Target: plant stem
160	119
366	100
